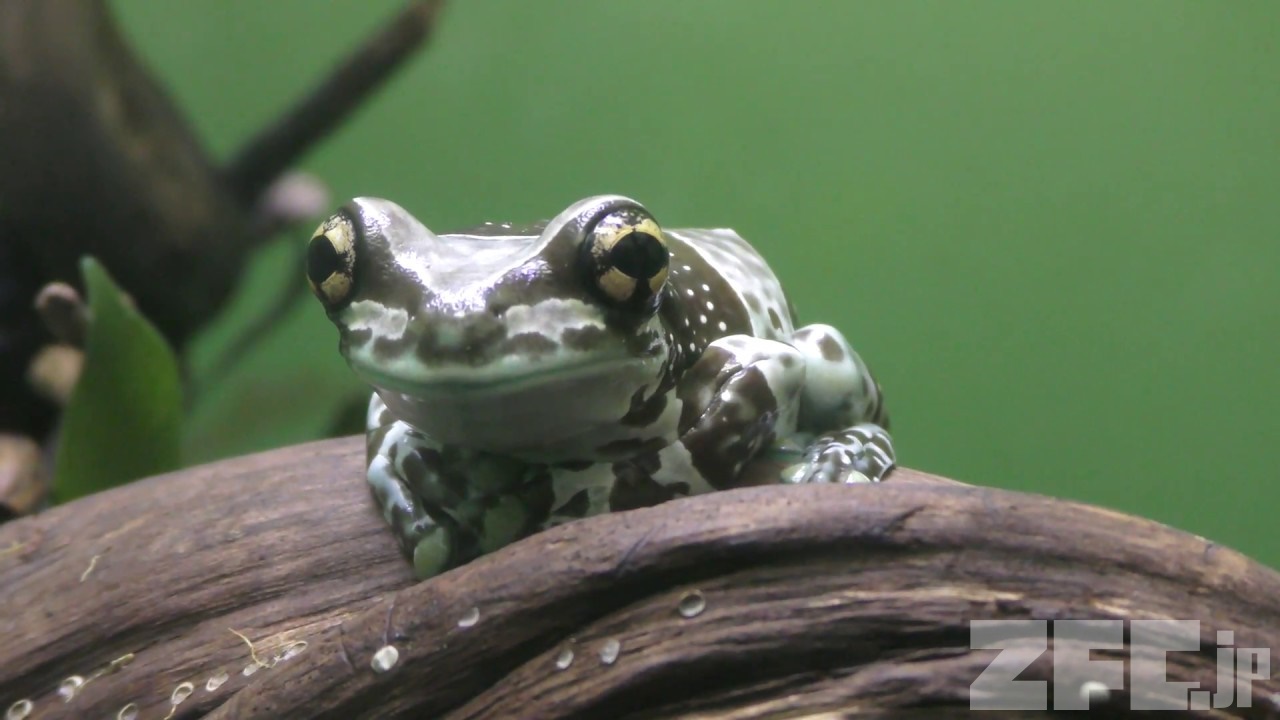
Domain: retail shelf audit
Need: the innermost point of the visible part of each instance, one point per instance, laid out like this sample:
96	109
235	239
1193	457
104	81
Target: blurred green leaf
124	418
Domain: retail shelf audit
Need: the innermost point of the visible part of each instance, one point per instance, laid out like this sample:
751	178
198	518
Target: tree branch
98	160
759	602
326	107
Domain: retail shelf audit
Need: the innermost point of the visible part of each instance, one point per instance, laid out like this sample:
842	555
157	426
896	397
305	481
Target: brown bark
815	599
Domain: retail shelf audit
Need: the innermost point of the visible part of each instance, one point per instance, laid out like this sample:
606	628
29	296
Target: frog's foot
862	453
740	394
838	388
434	543
447	507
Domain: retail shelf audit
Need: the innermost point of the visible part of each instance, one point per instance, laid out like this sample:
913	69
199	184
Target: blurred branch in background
267	586
99	161
330	103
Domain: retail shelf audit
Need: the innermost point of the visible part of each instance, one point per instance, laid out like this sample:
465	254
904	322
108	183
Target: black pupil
322	260
639	255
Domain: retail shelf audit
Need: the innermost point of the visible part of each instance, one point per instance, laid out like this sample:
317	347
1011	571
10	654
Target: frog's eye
628	256
331	261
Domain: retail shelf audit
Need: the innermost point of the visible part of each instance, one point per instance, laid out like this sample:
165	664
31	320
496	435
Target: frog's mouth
472	381
563	411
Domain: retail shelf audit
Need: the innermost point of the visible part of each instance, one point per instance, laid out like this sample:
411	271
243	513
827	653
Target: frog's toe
504	523
860	454
433	553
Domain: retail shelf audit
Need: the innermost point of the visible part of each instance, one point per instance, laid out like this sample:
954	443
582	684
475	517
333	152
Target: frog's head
499	338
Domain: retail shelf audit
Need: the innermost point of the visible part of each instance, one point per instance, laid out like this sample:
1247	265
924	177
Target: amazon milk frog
526	376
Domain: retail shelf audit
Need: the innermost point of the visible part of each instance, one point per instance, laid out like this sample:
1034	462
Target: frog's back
721	286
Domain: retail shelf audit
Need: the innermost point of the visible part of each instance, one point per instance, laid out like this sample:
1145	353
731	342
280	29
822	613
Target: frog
526	376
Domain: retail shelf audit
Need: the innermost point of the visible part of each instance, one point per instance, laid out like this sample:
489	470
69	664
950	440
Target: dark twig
279	146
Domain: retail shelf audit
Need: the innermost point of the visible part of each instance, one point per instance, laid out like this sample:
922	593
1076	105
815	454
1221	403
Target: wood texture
819	599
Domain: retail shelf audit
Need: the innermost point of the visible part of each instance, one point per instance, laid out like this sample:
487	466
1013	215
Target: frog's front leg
844	407
448	506
739	397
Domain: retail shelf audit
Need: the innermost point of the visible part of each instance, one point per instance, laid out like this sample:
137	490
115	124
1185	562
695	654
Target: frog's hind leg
446	506
843	406
838	388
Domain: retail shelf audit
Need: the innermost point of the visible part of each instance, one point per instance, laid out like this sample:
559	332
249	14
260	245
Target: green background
1051	228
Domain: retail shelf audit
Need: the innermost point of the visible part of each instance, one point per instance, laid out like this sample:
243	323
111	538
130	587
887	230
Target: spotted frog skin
529	376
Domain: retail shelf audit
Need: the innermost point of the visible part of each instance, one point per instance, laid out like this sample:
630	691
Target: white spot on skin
181	693
551	317
564	659
702	319
745	271
128	712
706	287
722	326
710	306
384	322
20	710
689	292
